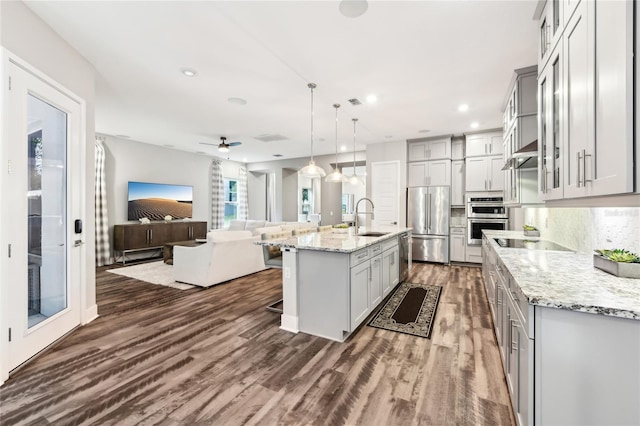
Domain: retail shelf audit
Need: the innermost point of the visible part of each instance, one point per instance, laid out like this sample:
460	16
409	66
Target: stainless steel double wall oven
485	213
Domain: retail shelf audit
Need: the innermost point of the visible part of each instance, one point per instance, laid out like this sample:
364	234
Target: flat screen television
157	200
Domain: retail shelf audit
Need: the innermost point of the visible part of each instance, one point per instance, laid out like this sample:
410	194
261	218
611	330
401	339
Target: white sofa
225	256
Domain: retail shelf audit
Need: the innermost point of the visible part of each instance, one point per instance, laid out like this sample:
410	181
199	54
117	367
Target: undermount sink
372	234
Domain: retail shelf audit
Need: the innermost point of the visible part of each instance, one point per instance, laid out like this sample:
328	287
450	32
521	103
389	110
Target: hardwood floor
158	355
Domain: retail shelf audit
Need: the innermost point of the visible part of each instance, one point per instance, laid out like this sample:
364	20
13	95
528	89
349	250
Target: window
230	200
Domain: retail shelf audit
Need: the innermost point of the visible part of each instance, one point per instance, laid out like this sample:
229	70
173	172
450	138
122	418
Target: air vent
355	102
271	138
277	155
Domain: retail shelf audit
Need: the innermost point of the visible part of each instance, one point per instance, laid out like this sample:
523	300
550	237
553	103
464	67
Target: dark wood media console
133	237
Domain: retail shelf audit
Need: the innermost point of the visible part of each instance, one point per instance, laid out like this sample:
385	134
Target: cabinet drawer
359	256
462	231
375	249
390	243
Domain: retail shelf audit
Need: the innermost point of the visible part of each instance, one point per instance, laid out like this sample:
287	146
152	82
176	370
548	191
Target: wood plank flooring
158	355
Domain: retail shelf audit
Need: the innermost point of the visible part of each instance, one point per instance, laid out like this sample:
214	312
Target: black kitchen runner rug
410	309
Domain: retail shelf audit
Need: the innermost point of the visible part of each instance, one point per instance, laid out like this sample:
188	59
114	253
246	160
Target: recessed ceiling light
237	101
353	8
343	148
277	155
463	108
189	72
424	131
474	125
372	98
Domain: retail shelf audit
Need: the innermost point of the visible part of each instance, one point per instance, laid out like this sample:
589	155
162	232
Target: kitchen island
333	280
569	334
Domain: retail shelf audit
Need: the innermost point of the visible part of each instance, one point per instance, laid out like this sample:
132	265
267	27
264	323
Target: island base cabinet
587	368
359	293
323	294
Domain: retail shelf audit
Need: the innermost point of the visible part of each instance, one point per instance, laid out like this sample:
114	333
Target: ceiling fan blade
234	143
205	143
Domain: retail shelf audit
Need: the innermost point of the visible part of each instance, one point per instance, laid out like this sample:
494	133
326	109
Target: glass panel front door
46	210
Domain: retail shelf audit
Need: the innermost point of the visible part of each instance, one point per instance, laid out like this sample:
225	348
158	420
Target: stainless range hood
525	158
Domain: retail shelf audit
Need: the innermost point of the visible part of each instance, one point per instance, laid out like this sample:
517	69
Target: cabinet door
612	158
417	174
457	183
476	174
160	233
524	398
359	293
375	282
439	173
439	149
418	151
458	247
476	145
180	231
494	143
496	175
550	130
133	237
199	229
579	67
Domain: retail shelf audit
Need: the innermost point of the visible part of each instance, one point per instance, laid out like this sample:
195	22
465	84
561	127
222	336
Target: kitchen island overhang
331	281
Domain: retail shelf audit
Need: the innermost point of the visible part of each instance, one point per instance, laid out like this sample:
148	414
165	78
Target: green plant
619	255
529	228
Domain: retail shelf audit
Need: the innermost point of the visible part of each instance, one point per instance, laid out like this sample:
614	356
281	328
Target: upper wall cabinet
550	28
430	149
483	144
429	173
586	103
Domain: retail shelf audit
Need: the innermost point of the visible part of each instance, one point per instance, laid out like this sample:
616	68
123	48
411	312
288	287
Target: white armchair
225	256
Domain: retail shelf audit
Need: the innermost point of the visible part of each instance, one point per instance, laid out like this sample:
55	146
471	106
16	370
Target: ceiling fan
223	146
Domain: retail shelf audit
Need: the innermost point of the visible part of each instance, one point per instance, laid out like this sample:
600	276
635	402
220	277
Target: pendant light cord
336	106
354	146
311	86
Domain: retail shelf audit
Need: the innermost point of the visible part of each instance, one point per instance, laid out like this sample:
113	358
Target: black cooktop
530	244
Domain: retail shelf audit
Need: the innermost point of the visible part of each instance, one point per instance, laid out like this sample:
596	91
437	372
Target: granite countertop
567	280
337	240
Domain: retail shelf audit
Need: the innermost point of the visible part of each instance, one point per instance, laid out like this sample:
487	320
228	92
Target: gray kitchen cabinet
483	144
458	238
484	174
457	183
359	292
390	269
429	149
429	173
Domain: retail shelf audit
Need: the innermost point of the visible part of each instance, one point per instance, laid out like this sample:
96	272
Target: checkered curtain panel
103	247
243	195
217	195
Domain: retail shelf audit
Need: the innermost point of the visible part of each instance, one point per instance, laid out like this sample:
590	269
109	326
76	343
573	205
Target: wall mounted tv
157	200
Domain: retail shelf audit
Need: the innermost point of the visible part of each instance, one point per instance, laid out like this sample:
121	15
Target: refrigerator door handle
426	211
429	213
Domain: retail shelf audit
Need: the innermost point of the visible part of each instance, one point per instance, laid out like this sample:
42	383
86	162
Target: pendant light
354	179
311	170
335	176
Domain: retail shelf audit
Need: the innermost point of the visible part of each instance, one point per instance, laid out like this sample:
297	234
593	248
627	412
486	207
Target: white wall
586	229
128	160
257	183
27	36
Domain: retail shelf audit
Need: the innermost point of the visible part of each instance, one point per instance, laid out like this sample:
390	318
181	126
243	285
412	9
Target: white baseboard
289	323
90	314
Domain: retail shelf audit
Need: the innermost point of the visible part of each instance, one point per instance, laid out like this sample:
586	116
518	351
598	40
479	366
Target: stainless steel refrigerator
428	210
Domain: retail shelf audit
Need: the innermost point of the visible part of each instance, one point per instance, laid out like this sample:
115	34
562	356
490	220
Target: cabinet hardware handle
578	169
584	167
429	213
485	184
510	335
489	183
515	296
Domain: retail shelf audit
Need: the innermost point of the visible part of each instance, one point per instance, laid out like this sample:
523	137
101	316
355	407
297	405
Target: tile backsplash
584	229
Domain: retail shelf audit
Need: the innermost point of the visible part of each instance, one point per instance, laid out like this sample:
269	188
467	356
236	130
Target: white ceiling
421	58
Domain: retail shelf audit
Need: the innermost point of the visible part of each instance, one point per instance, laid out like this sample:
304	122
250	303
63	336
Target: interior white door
43	188
385	192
